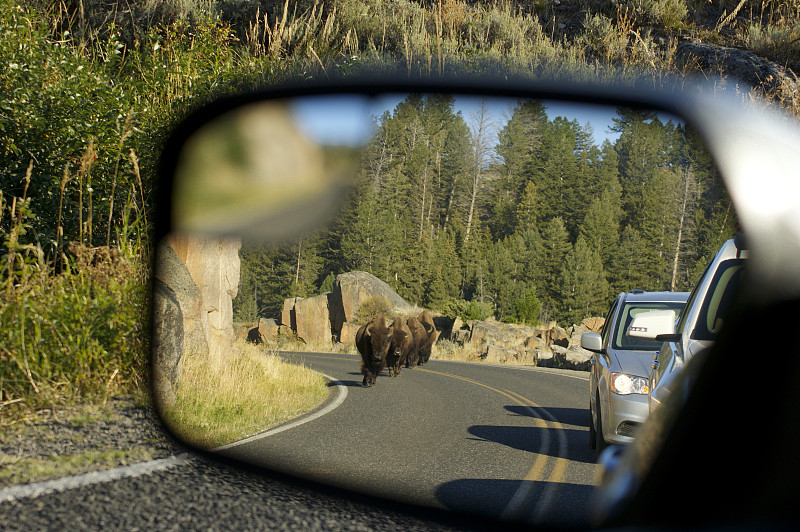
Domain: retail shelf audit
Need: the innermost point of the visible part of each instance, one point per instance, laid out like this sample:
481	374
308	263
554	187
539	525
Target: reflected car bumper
625	414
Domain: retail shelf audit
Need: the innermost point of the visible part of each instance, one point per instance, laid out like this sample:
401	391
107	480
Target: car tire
599	442
592	431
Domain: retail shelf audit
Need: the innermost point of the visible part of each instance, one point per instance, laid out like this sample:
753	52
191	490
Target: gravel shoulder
77	439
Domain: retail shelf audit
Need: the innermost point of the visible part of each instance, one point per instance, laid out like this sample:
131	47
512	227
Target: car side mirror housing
652	324
592	341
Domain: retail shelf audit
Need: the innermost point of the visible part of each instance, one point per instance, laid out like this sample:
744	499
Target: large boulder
312	319
352	289
287	314
505	334
177	323
213	265
758	72
265	331
347	333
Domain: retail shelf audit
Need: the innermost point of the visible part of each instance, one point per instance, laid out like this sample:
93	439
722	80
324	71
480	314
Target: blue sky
346	119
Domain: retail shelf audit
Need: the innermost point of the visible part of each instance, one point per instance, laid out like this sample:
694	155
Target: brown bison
372	341
420	337
426	319
400	346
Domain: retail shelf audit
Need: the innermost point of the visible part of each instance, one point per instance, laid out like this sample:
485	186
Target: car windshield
623	341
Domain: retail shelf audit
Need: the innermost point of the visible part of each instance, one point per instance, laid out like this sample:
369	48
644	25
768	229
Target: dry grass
254	391
447	350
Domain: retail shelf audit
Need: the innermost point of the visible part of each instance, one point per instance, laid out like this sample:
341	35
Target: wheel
599	441
592	432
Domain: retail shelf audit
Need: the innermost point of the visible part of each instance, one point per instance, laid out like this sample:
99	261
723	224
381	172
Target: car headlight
624	384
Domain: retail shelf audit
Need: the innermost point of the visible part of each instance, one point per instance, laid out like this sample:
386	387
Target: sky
337	119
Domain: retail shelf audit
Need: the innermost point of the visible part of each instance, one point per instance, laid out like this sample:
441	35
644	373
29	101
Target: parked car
697	327
620	366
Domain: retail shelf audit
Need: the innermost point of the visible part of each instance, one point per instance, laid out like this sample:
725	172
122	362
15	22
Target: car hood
633	362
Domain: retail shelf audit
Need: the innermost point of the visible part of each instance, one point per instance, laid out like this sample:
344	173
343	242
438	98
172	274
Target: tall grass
253	391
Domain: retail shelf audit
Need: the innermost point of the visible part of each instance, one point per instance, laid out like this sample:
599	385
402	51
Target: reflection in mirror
472	229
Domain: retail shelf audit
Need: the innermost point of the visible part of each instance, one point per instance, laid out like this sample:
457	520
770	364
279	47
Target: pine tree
583	284
555	245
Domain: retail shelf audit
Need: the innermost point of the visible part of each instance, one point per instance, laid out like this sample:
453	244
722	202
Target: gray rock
754	70
177	322
351	289
312	319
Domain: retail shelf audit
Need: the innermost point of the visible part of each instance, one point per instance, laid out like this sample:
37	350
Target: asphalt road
501	442
470	443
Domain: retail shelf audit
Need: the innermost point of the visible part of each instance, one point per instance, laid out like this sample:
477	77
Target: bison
420	337
426	319
400	345
372	341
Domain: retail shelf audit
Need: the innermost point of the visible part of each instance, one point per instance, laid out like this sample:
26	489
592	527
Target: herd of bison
405	342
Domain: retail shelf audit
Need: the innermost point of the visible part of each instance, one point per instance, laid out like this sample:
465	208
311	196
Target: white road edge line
329	408
38	489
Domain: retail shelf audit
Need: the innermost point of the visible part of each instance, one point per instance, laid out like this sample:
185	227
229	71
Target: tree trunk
684	205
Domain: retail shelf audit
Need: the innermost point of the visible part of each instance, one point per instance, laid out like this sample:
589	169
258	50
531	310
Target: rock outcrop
195	283
352	289
518	344
177	322
332	316
748	67
214	267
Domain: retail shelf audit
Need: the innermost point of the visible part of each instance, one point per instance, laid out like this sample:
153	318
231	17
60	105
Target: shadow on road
489	497
529	439
347	383
578	417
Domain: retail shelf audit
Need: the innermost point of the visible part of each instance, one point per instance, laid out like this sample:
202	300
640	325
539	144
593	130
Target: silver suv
621	365
698	325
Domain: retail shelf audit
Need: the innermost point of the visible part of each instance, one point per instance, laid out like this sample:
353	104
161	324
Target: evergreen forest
524	217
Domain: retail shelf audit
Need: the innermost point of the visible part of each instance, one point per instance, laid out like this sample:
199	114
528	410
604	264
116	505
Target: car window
607	323
690	303
717	302
623	341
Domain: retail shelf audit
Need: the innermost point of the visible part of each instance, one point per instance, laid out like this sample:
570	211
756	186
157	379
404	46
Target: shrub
374	305
468	310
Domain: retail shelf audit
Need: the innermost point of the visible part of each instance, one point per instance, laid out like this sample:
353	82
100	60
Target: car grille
628	428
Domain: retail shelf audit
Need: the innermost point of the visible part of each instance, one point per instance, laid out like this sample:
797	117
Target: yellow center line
536	470
557	475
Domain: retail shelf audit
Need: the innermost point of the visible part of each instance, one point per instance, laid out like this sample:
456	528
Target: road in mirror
306	226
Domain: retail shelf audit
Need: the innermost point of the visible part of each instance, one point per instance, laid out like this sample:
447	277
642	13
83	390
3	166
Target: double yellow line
536	472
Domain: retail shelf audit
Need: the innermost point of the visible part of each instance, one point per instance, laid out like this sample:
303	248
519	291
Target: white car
698	325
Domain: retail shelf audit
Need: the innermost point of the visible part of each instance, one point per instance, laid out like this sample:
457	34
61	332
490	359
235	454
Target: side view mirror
592	341
303	222
654	325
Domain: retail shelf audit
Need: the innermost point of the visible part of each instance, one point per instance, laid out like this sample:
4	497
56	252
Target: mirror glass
465	242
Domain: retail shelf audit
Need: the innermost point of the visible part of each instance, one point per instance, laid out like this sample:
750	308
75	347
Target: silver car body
615	353
698	326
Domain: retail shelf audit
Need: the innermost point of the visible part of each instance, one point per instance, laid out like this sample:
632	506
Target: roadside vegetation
89	89
255	390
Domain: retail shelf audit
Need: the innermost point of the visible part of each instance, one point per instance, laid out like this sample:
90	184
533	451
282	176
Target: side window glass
690	303
607	325
718	299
